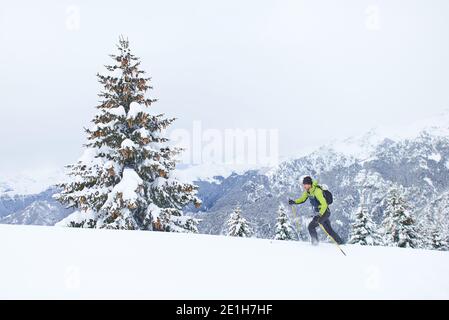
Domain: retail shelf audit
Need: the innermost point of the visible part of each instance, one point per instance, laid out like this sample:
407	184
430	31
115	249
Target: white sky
313	69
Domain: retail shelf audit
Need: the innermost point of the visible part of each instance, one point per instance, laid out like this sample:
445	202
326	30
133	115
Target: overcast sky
312	69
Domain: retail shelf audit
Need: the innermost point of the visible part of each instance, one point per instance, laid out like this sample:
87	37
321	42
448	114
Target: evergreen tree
284	230
434	233
237	225
399	227
434	223
437	239
123	180
364	230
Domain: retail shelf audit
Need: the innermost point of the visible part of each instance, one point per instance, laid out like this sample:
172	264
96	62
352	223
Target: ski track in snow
65	263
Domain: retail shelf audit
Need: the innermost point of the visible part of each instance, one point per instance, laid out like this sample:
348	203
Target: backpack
327	194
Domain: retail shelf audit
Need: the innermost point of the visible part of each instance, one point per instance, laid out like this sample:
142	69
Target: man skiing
314	193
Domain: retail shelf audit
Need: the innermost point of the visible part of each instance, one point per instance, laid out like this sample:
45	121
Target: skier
314	193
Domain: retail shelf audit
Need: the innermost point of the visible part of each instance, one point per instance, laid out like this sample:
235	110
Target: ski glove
290	201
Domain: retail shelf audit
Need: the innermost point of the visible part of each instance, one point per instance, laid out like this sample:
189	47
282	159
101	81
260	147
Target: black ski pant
324	221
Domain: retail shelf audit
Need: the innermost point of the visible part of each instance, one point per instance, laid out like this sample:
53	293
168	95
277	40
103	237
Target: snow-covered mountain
420	165
26	198
364	145
415	156
37	209
417	159
29	182
39	212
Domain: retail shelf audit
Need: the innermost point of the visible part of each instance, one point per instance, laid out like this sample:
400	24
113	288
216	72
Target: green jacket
317	193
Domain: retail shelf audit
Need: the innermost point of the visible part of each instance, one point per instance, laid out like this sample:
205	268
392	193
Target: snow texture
76	217
435	157
134	110
118	112
127	187
127	143
73	263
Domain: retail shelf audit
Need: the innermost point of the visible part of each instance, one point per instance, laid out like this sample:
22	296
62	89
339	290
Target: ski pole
296	220
332	239
294	211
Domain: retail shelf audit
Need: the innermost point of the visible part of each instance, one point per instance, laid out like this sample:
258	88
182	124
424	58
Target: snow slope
52	262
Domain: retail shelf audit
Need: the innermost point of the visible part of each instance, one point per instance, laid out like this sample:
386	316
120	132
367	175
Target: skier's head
307	183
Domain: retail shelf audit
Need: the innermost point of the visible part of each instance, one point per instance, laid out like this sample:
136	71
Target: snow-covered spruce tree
237	225
434	224
284	230
435	232
364	230
399	228
436	238
123	180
